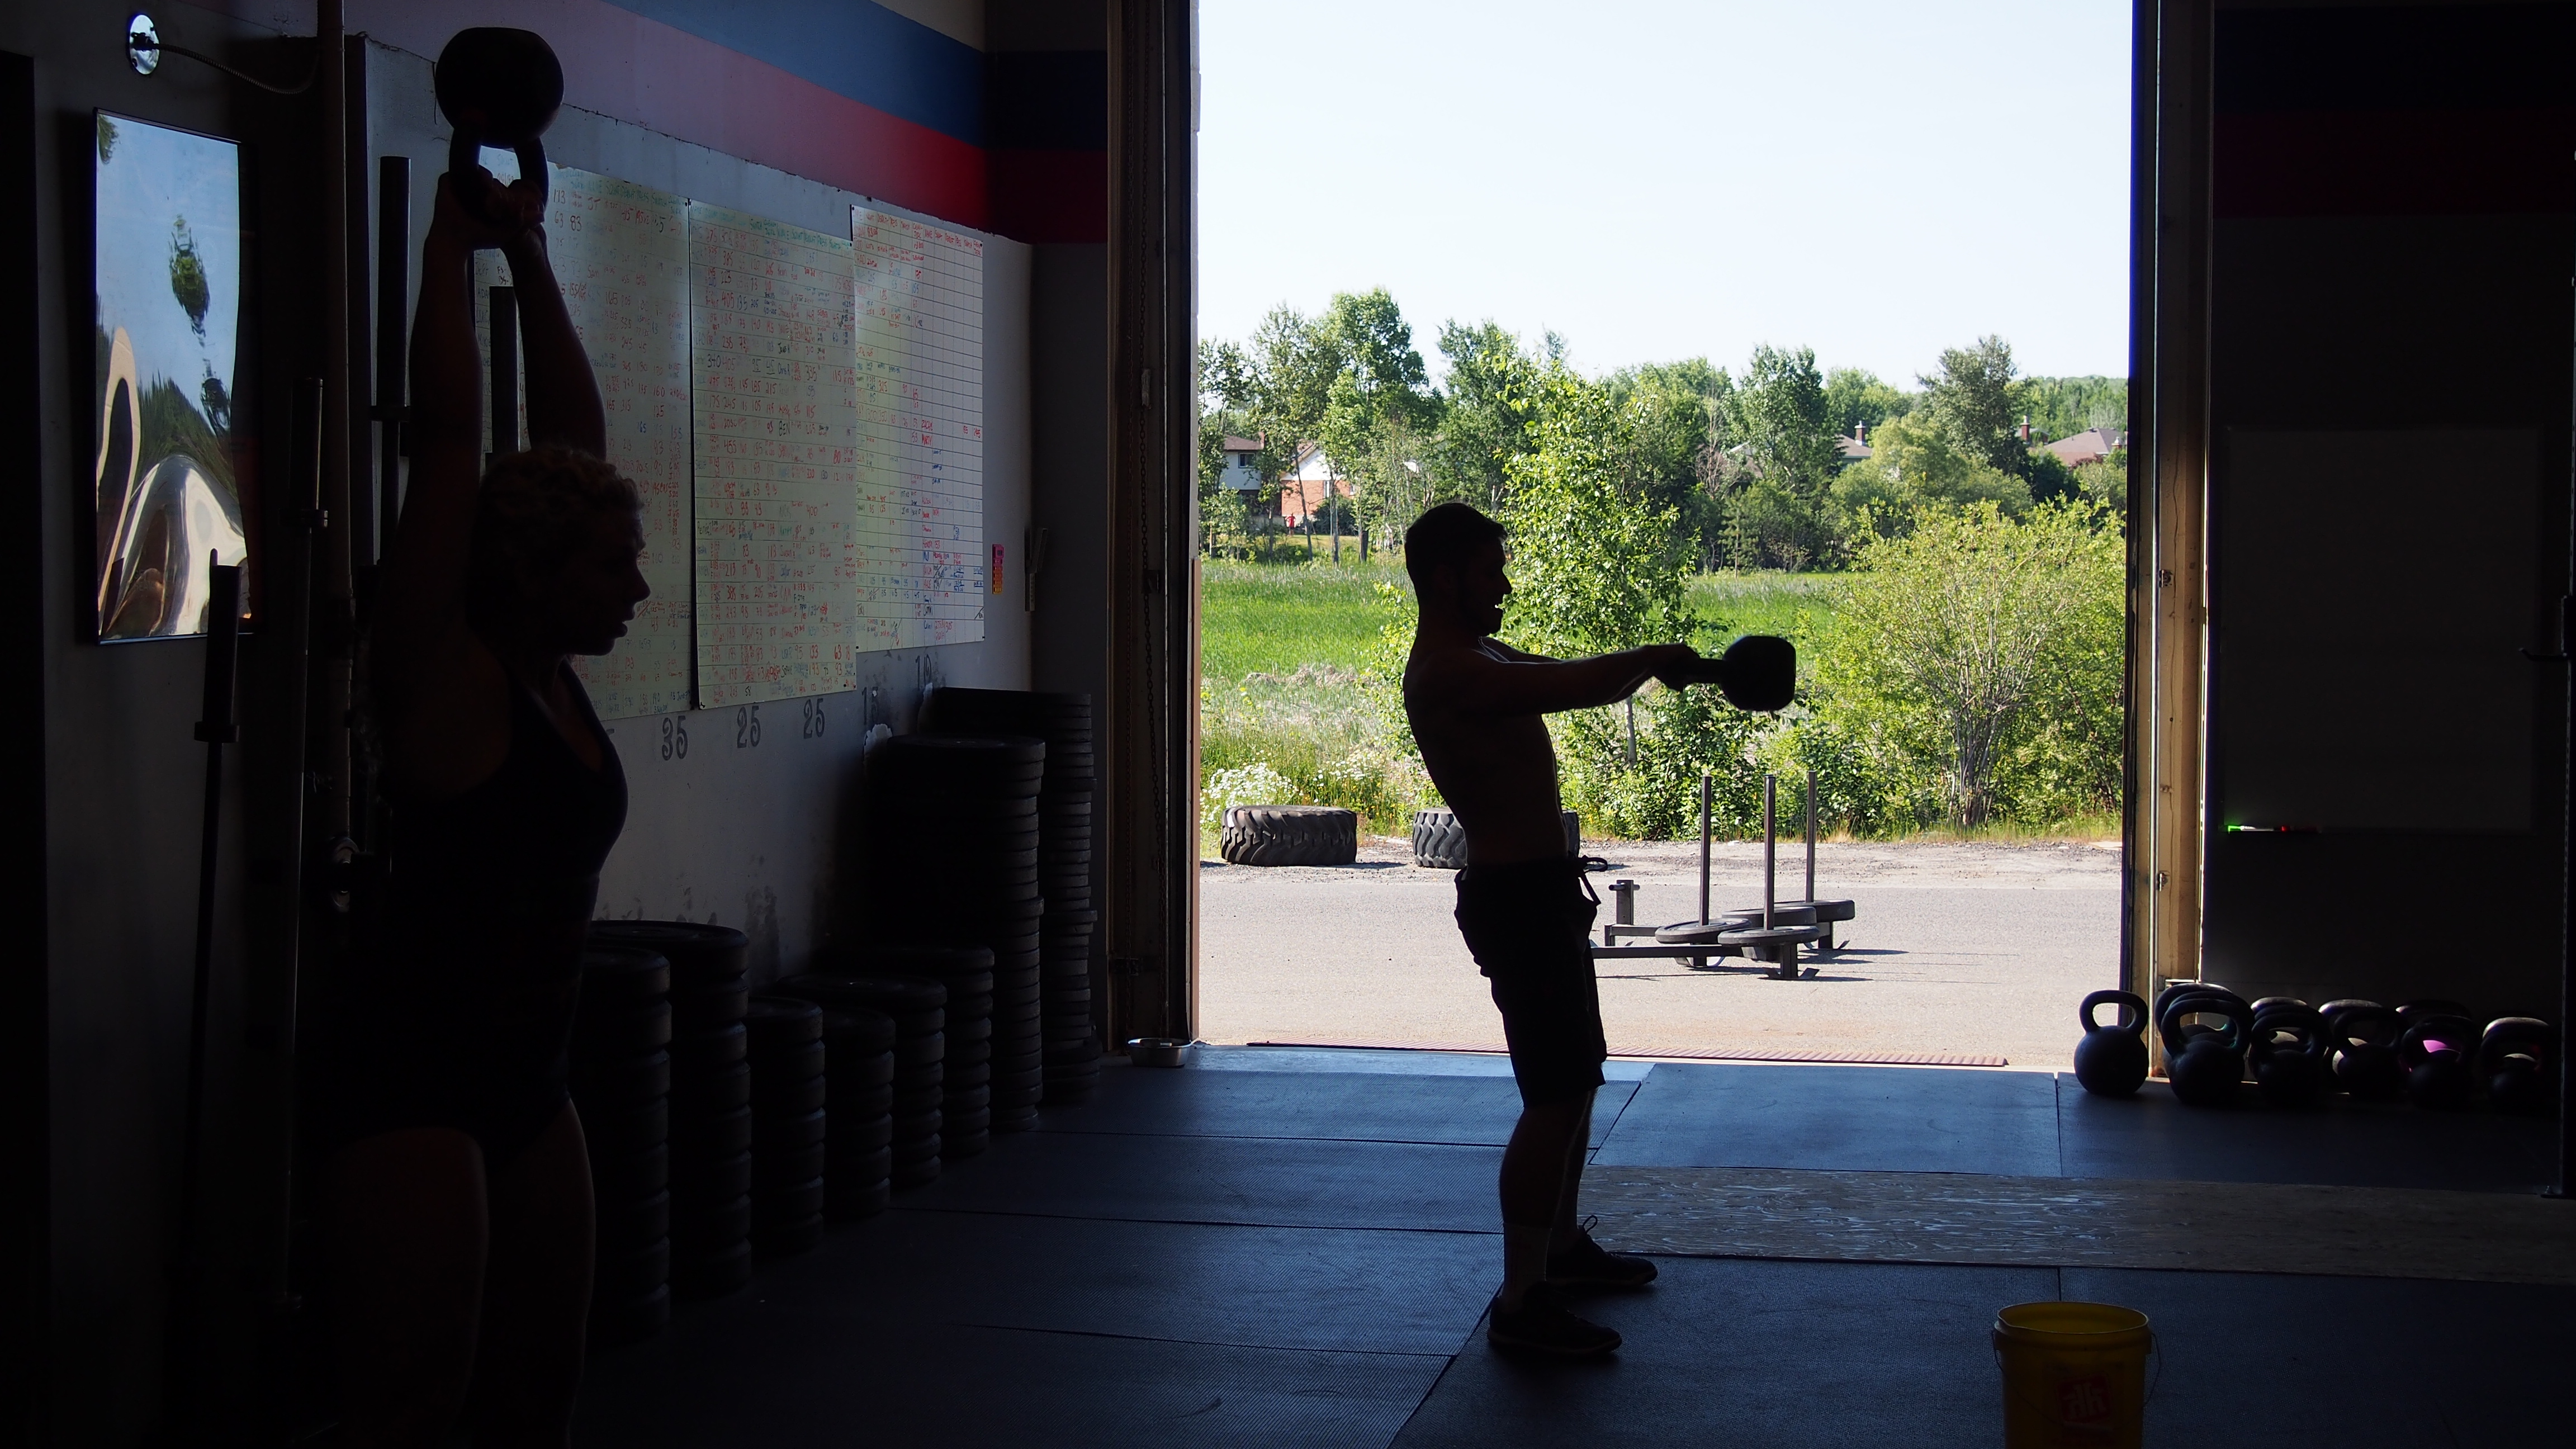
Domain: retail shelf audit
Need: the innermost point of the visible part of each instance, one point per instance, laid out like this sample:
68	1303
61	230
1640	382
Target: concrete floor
1296	1247
1977	950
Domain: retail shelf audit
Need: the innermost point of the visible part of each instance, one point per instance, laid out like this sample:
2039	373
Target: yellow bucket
2074	1374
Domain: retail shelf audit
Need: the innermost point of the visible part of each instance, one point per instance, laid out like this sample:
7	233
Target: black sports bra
512	861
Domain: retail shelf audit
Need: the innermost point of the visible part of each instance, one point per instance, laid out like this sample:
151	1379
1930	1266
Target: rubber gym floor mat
1806	1355
2207	1227
799	1379
1399	1061
1266	1182
2359	1144
1752	1356
1320	1106
1636	1051
1838	1118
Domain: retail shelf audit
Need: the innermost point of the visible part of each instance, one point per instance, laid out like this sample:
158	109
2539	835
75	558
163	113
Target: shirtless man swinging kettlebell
1523	903
1523	906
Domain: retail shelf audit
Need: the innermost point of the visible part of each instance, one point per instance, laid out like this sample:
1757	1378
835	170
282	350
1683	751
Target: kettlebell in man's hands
1758	672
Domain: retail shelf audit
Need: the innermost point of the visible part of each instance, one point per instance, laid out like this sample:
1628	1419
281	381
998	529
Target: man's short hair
1446	536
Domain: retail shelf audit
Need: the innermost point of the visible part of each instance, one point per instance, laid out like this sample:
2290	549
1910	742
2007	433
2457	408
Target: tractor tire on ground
1440	842
1290	835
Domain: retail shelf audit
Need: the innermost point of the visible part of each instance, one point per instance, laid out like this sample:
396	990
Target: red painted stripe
1050	196
2395	163
620	64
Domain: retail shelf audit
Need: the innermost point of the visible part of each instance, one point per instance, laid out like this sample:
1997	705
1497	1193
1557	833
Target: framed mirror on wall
171	485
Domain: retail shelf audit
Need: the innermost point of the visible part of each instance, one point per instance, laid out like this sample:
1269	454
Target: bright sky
1659	179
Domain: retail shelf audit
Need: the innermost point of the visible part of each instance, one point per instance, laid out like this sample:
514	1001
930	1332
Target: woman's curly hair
533	512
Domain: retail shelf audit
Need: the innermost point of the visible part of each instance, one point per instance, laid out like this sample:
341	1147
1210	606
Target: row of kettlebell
2431	1052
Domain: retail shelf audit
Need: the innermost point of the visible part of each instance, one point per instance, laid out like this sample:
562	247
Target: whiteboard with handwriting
620	256
775	417
918	550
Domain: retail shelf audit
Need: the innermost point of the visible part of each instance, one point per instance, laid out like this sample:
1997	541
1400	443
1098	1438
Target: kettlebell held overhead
498	87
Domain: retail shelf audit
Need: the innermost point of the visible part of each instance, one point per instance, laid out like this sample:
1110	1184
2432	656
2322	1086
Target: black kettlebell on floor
2288	1054
498	87
2518	1062
2111	1061
2435	1052
2173	1027
2361	1044
2211	1063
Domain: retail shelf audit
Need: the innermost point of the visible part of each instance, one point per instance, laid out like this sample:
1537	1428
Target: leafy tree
1597	565
1915	464
1980	657
2061	407
2106	484
1492	397
1975	400
1781	458
1379	406
1856	399
1592	569
1292	363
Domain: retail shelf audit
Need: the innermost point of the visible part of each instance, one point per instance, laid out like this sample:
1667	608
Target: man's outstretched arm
1470	681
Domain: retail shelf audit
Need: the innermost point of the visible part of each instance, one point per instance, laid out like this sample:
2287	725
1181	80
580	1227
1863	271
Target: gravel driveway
1969	949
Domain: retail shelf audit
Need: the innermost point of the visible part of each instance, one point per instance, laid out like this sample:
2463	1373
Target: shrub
1975	664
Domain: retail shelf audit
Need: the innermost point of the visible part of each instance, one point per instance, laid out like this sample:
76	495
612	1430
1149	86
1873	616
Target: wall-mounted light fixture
144	49
143	44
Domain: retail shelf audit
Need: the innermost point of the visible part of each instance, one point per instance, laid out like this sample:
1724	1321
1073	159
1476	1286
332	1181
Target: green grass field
1793	606
1278	618
1285	651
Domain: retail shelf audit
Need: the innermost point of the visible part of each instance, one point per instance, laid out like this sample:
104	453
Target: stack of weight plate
1072	1043
621	1082
858	1106
919	1008
953	861
1071	1040
966	1077
787	1124
710	1099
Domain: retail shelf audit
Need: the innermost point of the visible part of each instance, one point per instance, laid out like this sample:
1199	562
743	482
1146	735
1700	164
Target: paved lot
1968	949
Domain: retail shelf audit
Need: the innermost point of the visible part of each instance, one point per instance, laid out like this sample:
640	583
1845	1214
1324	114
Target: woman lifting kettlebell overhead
456	1186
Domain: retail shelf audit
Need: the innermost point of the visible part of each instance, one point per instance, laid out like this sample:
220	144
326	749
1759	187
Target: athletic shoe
1593	1266
1542	1325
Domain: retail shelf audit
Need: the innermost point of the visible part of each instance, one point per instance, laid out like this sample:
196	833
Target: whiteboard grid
803	417
918	549
775	414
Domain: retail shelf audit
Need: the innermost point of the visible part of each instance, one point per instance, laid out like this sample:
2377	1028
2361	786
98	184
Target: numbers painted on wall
748	727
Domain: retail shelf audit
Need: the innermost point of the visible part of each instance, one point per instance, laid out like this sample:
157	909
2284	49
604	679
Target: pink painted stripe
620	64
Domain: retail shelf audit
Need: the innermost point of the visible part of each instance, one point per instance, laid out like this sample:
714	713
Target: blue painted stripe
849	47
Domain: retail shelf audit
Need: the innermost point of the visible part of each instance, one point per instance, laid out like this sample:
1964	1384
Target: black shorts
1529	926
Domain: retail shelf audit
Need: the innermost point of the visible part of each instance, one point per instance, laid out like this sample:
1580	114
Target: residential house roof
2090	446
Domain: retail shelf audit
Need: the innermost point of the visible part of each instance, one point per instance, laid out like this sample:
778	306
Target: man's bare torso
1498	772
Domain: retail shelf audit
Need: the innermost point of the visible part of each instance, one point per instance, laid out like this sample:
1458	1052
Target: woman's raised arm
564	410
419	610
